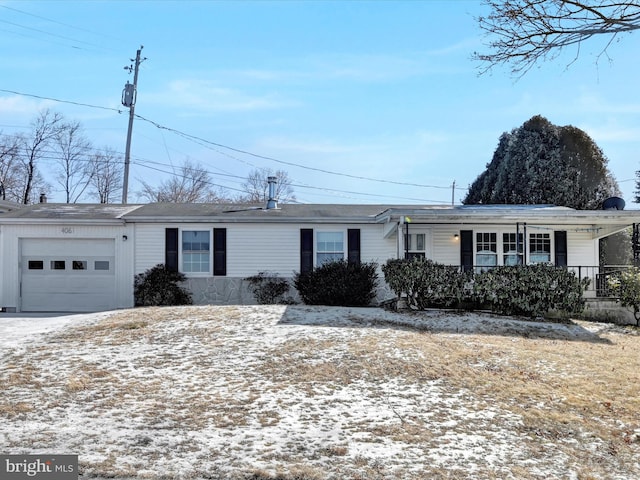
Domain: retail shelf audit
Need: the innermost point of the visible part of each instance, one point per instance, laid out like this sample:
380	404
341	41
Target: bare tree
107	167
73	151
522	32
189	184
8	165
44	129
257	187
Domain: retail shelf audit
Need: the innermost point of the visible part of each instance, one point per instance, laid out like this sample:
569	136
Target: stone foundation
219	291
235	291
609	311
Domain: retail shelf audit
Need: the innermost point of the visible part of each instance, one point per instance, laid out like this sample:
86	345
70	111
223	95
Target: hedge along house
84	257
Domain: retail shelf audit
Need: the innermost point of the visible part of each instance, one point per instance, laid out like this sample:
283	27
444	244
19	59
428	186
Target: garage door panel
68	275
67	302
58	246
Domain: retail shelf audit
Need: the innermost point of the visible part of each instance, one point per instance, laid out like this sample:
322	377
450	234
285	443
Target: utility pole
129	100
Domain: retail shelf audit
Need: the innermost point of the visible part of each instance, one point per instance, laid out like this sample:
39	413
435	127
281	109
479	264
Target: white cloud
21	106
205	96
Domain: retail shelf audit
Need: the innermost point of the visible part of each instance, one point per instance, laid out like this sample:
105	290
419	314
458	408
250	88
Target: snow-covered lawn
297	392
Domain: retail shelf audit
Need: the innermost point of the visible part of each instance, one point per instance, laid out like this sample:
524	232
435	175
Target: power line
80	104
55	35
209	144
59	23
245	152
76	43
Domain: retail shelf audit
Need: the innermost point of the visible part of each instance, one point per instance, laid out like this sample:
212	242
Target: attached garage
75	275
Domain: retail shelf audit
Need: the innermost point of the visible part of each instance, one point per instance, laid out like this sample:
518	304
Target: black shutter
306	250
219	251
466	250
560	241
171	249
353	245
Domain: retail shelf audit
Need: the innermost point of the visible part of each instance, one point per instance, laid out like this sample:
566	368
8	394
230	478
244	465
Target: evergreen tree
541	163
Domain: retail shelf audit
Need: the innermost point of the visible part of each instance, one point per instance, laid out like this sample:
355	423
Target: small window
196	252
415	245
330	247
486	251
512	247
540	247
79	265
101	265
58	265
36	265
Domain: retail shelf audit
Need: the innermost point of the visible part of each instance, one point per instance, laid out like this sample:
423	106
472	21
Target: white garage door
60	275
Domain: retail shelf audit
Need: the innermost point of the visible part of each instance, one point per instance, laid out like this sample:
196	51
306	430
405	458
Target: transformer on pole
129	94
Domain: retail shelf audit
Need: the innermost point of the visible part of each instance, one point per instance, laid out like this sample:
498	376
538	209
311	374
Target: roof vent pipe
271	202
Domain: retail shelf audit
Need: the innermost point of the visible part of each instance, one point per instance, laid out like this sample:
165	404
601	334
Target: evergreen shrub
159	286
338	283
425	283
531	290
626	288
269	289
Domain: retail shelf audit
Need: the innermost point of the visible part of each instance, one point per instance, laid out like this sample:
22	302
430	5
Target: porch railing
598	276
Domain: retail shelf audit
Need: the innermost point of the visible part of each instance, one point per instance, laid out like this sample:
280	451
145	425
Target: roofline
235	219
470	216
63	221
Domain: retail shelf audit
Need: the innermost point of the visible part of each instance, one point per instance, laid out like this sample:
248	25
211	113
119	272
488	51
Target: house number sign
67	230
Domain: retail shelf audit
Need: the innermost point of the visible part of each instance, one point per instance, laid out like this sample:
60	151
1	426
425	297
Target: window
101	265
58	265
196	251
512	249
415	245
36	265
539	247
79	265
486	250
330	247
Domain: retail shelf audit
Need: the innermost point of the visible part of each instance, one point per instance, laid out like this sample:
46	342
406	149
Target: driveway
18	329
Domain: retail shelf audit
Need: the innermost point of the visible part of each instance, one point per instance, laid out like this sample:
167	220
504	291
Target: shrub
268	288
425	283
159	286
338	283
530	290
626	288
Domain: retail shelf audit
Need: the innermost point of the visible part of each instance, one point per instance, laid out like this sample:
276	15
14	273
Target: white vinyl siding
253	248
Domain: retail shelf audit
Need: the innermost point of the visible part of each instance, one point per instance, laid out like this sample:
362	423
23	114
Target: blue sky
360	102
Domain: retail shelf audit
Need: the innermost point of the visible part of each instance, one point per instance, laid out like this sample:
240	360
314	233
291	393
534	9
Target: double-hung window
486	250
329	247
196	251
539	247
512	248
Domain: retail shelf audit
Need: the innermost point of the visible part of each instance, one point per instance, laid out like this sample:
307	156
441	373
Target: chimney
271	202
43	198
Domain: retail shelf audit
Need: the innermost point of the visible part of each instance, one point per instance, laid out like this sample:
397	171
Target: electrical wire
217	146
263	157
80	104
